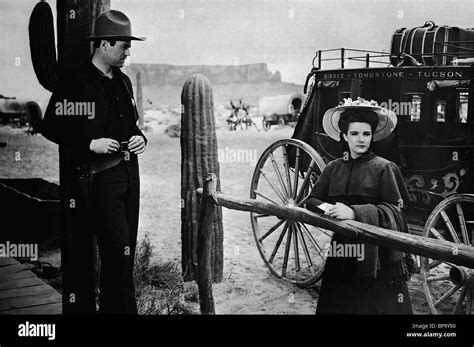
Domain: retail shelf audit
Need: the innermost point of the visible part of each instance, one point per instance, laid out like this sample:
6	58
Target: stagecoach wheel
285	175
449	288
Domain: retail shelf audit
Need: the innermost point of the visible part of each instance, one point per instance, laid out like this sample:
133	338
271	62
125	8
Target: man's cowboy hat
113	24
387	118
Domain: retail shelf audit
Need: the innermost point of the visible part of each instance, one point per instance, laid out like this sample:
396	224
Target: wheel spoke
437	278
321	230
272	229
275	167
263	196
434	264
306	180
297	172
287	251
450	227
302	202
279	193
448	294
460	300
305	246
313	241
277	246
437	234
462	223
295	244
287	170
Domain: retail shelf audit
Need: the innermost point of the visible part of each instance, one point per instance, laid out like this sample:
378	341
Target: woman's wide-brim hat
113	24
387	118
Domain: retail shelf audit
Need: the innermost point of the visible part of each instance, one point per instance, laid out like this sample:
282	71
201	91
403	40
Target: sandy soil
248	287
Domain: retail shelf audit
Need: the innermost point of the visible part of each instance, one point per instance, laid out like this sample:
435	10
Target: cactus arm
42	45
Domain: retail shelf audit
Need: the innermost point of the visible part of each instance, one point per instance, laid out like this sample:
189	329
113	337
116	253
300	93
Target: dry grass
159	286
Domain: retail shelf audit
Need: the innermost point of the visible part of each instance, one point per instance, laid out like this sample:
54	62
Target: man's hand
136	144
340	211
104	146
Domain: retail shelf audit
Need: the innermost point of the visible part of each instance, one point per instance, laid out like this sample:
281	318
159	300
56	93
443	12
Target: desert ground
248	286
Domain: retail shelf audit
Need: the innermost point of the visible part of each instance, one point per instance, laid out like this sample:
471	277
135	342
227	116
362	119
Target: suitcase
466	43
431	44
438	44
397	45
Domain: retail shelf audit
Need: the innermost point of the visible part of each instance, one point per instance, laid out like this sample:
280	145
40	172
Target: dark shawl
374	188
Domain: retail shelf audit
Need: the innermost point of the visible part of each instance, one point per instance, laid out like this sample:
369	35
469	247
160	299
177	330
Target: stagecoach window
440	111
415	110
462	102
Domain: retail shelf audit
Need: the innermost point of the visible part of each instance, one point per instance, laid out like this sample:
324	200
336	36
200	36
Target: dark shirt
115	112
120	124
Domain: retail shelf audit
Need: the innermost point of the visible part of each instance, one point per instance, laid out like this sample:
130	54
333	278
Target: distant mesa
162	83
217	74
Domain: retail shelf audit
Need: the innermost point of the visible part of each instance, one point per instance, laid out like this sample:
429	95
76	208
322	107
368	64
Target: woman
364	187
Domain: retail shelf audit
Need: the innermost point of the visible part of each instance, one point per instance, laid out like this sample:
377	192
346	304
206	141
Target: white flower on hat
359	102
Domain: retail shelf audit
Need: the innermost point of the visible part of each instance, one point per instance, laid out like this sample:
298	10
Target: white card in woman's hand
324	206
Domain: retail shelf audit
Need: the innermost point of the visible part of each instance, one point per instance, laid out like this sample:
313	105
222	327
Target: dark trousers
115	206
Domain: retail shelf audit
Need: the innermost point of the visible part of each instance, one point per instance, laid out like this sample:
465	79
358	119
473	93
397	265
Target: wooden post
205	236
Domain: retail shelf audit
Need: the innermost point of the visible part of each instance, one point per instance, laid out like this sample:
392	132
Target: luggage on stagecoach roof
431	44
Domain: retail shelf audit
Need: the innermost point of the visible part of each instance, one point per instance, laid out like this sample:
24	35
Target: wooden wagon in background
280	109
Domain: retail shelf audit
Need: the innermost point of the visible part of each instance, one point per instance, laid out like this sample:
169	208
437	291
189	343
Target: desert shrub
159	286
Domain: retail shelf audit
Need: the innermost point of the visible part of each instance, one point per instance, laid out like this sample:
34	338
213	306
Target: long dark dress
373	187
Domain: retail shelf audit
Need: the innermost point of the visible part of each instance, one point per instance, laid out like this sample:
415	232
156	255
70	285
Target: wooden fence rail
458	254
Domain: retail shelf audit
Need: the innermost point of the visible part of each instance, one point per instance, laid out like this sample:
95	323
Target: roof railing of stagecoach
345	54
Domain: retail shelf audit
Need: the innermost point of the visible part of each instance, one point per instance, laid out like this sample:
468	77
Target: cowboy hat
113	24
387	119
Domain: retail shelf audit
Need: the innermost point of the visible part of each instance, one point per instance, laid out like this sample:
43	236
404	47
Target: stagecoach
427	80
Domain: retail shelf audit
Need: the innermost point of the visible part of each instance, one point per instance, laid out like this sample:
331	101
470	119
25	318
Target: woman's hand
340	211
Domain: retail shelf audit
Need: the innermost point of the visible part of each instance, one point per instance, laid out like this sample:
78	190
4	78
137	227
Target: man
92	113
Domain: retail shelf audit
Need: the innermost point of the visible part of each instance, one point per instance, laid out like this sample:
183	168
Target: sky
283	34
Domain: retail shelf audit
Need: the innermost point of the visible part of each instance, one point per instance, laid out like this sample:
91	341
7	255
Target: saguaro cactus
42	42
198	158
75	21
